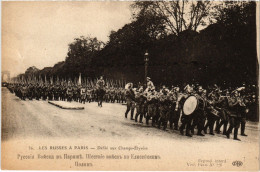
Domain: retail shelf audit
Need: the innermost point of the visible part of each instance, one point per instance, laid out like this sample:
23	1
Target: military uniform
100	91
224	117
140	108
174	111
82	95
185	119
151	107
211	118
234	117
130	102
164	107
198	117
69	94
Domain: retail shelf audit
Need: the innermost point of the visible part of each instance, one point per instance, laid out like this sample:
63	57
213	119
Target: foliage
225	50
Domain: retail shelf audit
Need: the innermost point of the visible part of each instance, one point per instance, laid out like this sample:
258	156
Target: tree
177	15
31	71
83	48
81	53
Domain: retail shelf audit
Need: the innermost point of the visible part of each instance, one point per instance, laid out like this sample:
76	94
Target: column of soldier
227	108
215	109
66	92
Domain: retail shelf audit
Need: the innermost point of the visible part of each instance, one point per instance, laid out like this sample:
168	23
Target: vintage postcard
130	85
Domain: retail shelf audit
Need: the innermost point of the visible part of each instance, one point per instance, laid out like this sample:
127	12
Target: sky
38	33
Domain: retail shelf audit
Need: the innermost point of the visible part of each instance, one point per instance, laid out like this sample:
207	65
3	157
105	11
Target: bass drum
192	104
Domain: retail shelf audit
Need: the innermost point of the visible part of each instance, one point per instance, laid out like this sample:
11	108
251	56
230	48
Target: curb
70	108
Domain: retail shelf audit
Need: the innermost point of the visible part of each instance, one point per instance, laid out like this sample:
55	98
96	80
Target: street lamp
146	59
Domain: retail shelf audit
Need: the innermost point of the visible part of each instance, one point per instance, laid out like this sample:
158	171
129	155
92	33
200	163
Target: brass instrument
236	100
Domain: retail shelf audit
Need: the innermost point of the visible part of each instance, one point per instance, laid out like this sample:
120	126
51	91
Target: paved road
39	119
40	123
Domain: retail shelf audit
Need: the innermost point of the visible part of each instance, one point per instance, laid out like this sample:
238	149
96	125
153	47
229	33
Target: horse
100	95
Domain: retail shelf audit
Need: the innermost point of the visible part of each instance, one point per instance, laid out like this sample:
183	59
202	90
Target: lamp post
146	59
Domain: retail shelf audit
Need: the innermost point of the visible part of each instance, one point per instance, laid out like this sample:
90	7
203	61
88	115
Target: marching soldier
185	119
69	93
89	94
152	107
234	114
56	90
100	90
164	107
106	96
199	116
222	106
211	118
63	93
244	110
82	94
150	84
23	92
44	92
130	100
50	92
175	111
140	100
112	95
118	95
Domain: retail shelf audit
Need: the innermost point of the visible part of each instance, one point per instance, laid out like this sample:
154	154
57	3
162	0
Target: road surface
24	121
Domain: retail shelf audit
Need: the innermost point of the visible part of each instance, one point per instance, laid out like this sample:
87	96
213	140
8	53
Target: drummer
199	116
185	119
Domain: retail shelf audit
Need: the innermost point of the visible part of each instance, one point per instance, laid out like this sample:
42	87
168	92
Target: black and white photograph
130	85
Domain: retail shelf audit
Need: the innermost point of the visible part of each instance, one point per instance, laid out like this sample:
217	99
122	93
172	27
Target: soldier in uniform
140	100
56	90
100	90
50	92
30	92
75	93
174	111
69	93
234	114
123	95
106	96
117	95
89	94
82	94
37	91
44	92
23	92
213	98
151	105
150	84
244	110
164	104
130	100
185	119
112	95
94	94
63	90
222	106
199	115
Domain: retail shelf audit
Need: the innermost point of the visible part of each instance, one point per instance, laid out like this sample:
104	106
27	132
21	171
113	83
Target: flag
51	80
45	80
57	81
79	81
85	81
